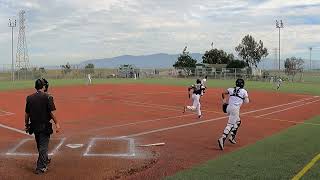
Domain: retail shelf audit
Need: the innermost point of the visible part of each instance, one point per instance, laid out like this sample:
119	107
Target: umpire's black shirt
39	106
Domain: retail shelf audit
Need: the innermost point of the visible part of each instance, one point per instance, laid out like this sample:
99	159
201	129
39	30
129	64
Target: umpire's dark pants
42	140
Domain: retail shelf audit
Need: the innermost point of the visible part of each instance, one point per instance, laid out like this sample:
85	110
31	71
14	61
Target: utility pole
212	45
310	48
279	25
275	64
12	24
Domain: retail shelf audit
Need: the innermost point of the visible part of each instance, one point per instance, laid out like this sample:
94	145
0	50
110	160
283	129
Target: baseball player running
279	82
203	82
89	79
197	90
237	96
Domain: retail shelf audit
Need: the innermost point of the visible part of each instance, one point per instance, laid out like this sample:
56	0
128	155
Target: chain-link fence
77	72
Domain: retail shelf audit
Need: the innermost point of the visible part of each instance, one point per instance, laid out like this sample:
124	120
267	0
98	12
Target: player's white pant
196	104
89	80
233	121
234	114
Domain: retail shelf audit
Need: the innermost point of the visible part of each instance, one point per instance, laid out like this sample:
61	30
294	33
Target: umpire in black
38	113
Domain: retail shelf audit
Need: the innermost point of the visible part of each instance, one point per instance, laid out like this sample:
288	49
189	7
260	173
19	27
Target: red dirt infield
109	121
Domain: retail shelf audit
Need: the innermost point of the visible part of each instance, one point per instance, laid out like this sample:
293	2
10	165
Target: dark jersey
39	107
197	88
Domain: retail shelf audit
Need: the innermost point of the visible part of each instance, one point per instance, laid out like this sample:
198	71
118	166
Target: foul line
307	167
289	108
205	121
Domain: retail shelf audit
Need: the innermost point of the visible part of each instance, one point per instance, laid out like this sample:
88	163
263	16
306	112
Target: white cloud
75	30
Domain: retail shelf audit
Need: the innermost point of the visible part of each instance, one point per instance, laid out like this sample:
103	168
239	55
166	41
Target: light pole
12	24
310	48
279	25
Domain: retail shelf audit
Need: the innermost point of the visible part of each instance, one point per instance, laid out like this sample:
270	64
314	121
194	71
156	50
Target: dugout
203	69
128	71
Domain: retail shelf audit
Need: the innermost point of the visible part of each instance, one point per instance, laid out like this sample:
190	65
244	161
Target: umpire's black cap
40	83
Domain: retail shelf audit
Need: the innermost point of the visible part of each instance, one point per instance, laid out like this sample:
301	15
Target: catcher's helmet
240	83
198	81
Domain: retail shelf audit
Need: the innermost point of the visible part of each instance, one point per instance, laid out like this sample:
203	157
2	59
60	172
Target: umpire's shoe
221	143
41	171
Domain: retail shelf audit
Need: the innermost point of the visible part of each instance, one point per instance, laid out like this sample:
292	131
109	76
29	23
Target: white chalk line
201	122
93	141
151	105
173	117
6	113
14	129
12	152
288	108
139	122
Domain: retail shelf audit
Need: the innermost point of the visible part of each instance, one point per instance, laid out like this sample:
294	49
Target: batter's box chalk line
12	152
93	141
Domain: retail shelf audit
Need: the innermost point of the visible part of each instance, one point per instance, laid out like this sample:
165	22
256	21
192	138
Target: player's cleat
221	143
199	116
232	140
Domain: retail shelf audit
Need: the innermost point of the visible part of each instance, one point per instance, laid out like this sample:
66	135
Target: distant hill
163	60
160	60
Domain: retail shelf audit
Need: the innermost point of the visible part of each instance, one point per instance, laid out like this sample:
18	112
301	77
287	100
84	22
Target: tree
237	64
215	56
185	62
89	68
66	68
251	51
293	65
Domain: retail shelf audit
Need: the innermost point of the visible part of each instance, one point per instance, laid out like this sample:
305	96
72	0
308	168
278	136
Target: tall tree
215	56
251	51
66	68
89	68
185	62
292	66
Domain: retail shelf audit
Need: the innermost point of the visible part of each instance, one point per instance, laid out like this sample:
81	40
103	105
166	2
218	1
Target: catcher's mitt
224	107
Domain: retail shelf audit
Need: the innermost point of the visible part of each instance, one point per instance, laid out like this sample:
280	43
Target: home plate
74	146
155	144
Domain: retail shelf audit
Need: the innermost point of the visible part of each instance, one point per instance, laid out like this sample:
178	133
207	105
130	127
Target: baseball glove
224	107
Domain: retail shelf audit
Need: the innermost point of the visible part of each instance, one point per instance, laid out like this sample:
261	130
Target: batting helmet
240	83
198	81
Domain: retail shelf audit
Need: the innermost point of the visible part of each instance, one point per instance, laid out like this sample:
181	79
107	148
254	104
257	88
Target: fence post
235	73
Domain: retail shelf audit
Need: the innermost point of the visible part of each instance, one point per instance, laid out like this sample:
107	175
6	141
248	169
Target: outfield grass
280	156
301	88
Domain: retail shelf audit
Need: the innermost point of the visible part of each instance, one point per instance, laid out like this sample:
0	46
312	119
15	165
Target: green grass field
280	156
301	88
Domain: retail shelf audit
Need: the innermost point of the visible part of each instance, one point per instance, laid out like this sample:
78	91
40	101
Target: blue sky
74	30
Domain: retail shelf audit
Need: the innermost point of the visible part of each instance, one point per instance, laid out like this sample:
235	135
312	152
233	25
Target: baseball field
110	130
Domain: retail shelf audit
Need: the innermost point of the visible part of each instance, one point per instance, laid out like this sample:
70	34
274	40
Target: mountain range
160	60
